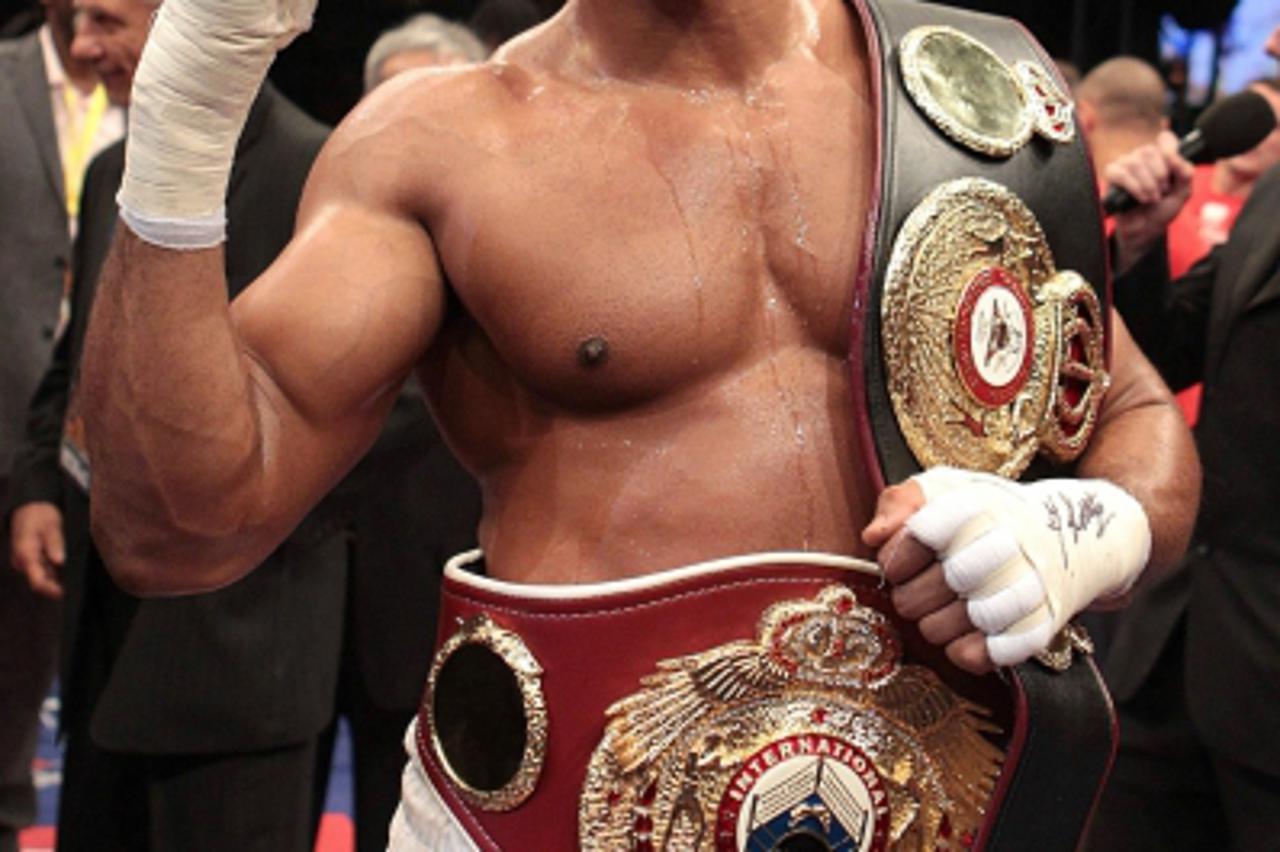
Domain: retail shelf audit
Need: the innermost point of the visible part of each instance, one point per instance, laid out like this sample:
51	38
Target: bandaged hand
1013	561
200	71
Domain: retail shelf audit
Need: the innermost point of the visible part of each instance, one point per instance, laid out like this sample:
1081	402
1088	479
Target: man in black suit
190	723
1195	664
54	119
409	506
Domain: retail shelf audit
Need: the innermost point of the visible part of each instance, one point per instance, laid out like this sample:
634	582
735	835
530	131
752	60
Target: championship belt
983	340
756	703
818	729
980	341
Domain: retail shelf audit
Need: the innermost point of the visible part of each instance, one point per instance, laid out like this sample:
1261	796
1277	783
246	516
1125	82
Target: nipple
593	352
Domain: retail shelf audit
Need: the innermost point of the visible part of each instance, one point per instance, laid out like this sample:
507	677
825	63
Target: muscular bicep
344	312
330	332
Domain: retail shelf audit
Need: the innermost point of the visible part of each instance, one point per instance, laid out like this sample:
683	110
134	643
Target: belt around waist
725	705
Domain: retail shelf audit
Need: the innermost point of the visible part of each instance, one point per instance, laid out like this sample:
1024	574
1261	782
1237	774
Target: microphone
1230	126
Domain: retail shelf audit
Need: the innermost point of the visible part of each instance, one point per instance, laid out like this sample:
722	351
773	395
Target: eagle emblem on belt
816	727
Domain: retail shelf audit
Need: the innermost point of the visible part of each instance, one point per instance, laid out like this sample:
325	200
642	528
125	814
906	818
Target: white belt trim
457	571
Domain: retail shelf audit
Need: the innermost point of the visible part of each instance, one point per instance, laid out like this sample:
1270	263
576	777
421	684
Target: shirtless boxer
619	257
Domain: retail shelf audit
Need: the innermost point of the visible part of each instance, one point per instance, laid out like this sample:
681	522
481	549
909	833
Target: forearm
214	428
173	433
1143	445
177	433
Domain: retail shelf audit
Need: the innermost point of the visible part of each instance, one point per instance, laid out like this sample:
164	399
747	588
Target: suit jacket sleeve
35	476
1169	320
34	246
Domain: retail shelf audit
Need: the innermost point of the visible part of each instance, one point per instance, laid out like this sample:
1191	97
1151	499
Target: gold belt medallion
817	729
486	715
991	353
975	98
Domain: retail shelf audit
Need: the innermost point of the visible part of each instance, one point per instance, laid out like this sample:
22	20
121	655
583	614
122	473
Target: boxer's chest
650	244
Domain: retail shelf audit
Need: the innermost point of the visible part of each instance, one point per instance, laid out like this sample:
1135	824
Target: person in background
1121	104
54	117
1218	191
409	506
190	723
424	40
1195	662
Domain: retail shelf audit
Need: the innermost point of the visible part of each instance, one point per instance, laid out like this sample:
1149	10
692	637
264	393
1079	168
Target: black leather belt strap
1054	180
1065	732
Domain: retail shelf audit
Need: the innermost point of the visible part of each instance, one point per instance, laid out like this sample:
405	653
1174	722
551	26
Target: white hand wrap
199	73
1027	557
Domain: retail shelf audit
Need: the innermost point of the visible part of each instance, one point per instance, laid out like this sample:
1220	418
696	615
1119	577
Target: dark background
322	70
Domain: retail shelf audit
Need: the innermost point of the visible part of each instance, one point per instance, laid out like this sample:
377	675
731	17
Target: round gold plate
991	354
976	98
510	651
966	90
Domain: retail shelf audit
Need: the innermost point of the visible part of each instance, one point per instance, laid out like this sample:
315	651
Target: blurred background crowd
1202	47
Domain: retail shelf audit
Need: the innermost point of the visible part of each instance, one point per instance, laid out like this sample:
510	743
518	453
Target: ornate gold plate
991	354
1079	360
975	98
482	670
816	728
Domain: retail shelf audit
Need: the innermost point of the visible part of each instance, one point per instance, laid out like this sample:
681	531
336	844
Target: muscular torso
646	361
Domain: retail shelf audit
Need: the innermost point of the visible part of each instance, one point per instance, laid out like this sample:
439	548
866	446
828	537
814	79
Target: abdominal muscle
760	460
